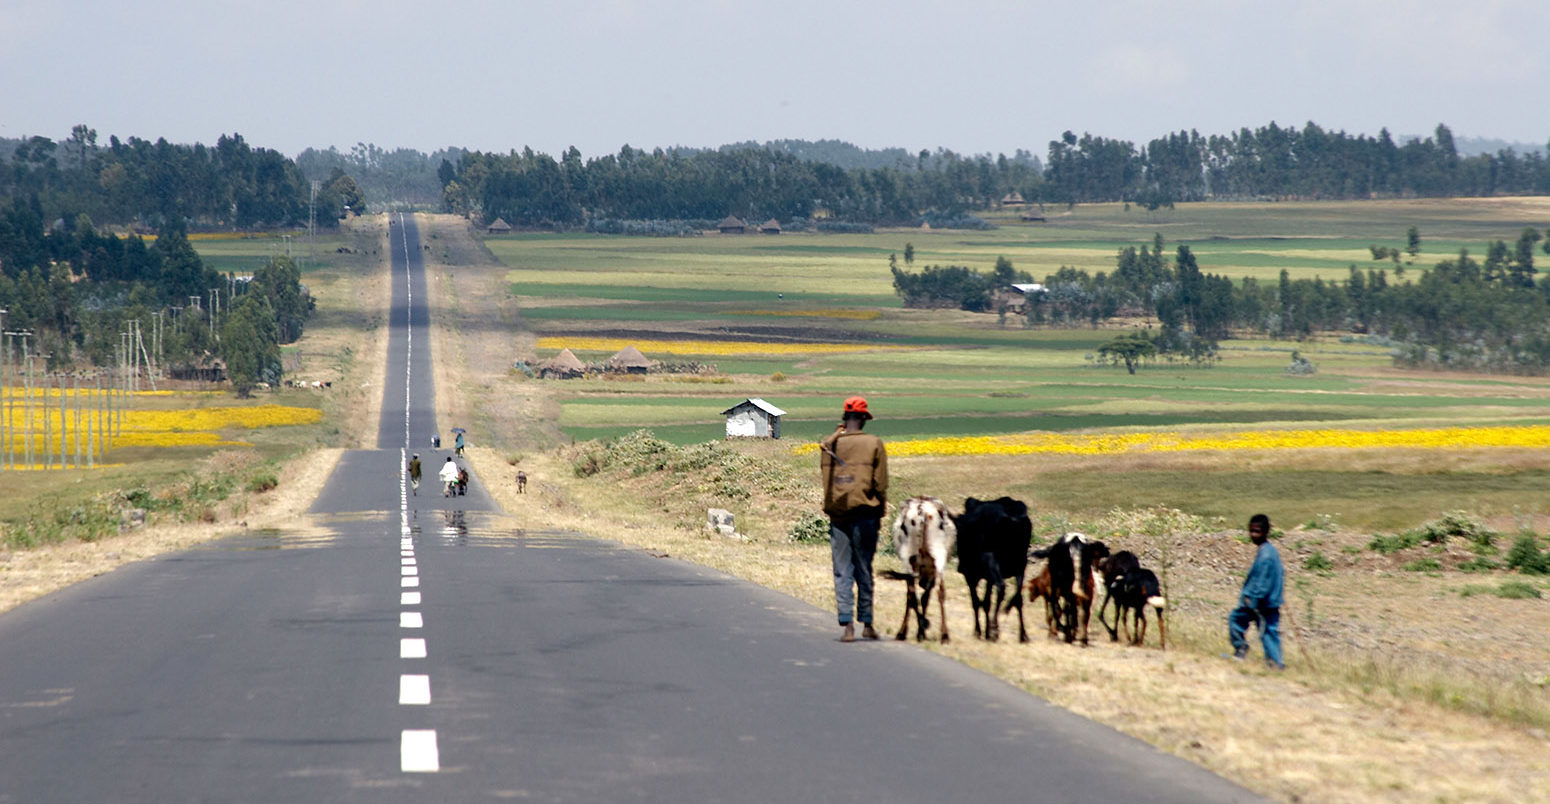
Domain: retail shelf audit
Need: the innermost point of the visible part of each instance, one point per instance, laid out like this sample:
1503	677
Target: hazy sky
971	75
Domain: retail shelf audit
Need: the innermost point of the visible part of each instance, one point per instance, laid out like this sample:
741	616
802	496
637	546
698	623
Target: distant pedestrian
521	482
414	473
435	440
1261	599
458	444
854	467
448	477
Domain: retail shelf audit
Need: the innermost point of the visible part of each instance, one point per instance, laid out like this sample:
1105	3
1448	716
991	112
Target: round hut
563	366
629	360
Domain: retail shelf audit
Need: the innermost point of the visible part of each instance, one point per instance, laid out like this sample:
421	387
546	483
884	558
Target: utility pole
79	448
48	418
27	360
6	397
312	224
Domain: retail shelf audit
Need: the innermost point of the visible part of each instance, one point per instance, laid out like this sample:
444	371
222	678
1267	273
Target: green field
962	374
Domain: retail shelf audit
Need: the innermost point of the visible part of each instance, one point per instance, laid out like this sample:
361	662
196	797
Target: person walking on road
854	467
448	477
458	443
414	473
1261	598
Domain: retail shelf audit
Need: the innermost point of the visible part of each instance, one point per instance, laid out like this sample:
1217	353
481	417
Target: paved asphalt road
424	652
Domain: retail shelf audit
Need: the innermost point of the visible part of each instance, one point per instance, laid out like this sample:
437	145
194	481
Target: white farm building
753	418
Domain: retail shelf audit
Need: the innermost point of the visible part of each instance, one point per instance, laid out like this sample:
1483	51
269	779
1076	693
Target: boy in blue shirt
1261	598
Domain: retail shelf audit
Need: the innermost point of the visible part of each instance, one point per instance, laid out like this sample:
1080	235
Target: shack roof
730	221
756	402
565	361
500	225
629	357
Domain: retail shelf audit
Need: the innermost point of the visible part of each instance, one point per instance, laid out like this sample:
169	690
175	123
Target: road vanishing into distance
422	651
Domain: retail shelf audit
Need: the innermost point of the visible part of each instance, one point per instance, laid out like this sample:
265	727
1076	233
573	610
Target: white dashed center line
417	751
414	690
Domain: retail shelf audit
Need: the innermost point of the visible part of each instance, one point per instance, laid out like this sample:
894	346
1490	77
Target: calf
993	539
1072	559
521	482
923	533
1114	569
1038	586
1132	594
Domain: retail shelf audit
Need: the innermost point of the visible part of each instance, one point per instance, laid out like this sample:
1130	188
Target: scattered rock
720	521
131	518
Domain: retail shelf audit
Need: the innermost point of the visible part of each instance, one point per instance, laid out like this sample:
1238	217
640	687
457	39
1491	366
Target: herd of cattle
994	539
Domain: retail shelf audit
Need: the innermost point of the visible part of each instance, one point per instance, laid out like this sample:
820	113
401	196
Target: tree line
149	185
75	290
233	184
1488	314
786	181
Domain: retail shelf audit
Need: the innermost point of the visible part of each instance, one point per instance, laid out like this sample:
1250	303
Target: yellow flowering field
1116	443
850	315
724	348
156	428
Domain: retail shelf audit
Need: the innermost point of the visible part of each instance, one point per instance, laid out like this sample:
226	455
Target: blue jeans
1269	631
852	543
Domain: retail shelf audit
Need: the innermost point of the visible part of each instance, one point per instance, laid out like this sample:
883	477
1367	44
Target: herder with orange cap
855	492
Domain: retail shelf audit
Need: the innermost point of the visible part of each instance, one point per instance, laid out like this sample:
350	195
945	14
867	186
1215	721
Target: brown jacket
857	484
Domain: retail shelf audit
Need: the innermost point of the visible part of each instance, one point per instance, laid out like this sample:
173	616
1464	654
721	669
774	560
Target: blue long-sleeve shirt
1262	589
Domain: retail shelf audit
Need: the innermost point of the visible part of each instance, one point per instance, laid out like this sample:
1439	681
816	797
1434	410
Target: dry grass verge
1330	729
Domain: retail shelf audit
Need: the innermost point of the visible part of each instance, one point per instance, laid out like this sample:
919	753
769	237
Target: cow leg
921	623
1086	611
1065	613
941	603
1162	630
1118	614
974	603
909	604
1017	600
1140	626
993	616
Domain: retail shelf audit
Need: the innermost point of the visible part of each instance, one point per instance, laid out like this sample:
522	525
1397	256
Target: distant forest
235	185
784	179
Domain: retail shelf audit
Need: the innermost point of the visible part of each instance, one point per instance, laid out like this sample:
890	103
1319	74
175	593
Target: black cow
993	539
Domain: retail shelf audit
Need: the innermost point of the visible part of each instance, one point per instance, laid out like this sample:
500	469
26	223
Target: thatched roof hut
563	366
732	224
770	226
630	360
500	226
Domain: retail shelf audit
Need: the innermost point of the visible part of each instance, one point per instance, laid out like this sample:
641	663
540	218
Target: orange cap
857	404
